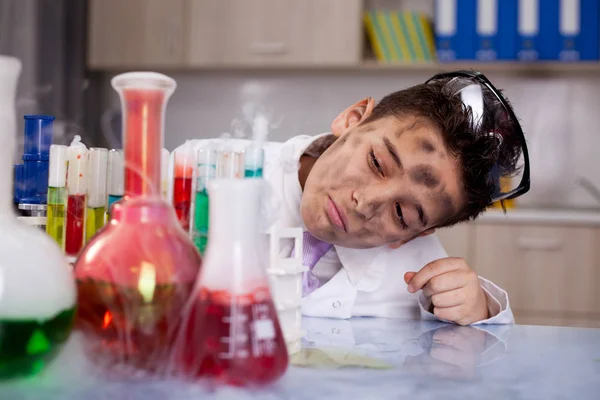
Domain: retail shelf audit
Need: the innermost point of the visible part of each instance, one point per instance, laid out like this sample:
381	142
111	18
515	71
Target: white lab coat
364	282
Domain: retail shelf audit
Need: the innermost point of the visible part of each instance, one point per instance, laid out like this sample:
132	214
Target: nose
367	203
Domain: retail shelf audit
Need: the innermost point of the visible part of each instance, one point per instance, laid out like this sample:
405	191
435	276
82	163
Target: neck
311	155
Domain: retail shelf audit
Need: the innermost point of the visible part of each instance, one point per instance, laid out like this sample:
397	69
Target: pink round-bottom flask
136	275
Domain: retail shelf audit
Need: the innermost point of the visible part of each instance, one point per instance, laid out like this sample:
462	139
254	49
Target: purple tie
313	250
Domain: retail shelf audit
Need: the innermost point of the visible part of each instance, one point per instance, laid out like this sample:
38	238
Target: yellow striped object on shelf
400	36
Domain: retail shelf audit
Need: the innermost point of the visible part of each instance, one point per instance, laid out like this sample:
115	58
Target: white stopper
57	169
98	164
77	174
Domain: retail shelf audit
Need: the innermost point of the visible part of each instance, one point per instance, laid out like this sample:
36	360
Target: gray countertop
563	217
398	359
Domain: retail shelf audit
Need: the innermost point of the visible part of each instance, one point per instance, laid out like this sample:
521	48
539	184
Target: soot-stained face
380	183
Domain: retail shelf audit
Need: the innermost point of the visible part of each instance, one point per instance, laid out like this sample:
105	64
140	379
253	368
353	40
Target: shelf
501	67
370	66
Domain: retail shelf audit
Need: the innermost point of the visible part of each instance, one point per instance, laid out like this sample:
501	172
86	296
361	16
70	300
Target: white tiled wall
560	115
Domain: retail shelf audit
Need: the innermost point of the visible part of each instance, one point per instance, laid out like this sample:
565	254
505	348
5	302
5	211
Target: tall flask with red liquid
136	275
231	332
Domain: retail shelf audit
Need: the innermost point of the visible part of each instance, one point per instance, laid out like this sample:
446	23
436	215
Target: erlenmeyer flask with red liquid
136	275
231	333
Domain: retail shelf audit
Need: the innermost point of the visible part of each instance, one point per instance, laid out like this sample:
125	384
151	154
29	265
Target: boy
370	194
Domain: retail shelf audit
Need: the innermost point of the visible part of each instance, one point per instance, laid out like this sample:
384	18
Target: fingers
449	299
434	269
408	276
446	282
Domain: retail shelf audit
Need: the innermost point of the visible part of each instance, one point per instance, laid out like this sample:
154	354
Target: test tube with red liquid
135	276
77	179
231	332
185	160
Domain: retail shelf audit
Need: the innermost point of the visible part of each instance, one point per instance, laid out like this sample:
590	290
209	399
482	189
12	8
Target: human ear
352	116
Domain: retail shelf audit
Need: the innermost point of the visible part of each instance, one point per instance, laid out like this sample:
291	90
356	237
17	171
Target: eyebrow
424	175
393	152
426	145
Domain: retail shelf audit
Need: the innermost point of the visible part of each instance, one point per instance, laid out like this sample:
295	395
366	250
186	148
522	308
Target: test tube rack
285	278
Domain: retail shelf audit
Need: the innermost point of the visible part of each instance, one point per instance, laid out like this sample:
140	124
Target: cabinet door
456	240
545	270
275	32
136	33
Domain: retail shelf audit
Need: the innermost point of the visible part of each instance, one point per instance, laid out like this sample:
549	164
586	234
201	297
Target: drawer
543	268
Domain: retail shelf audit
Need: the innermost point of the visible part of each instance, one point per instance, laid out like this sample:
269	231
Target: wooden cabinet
551	273
224	33
275	32
457	240
136	33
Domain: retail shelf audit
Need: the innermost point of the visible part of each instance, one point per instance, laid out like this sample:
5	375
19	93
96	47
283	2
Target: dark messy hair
477	151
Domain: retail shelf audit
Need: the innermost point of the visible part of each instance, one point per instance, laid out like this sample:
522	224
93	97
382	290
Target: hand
454	289
450	352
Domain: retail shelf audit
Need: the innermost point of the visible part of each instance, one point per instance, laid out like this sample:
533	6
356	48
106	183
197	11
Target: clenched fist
454	290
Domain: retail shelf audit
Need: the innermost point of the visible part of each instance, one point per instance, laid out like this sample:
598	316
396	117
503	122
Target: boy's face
381	183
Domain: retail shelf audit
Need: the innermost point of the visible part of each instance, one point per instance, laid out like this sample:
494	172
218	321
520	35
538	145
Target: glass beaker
136	275
231	331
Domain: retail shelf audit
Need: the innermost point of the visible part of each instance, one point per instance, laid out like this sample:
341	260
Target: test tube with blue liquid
254	155
116	177
206	171
253	164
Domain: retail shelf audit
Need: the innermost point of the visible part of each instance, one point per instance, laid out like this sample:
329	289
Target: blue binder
455	29
496	30
536	35
577	30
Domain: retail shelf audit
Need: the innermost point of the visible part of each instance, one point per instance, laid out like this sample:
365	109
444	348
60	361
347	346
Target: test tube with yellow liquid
97	198
57	193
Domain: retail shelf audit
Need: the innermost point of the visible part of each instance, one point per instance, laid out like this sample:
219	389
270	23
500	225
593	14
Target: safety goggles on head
493	116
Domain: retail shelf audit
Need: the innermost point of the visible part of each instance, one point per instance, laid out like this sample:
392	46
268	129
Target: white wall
560	115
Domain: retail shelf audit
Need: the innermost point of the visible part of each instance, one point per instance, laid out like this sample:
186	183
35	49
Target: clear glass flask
136	275
37	289
231	333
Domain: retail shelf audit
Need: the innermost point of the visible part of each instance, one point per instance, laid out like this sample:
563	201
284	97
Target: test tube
253	162
96	207
230	164
164	173
77	178
115	177
182	185
206	170
57	182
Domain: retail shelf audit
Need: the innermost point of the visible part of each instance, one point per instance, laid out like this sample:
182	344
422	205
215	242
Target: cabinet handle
543	244
268	48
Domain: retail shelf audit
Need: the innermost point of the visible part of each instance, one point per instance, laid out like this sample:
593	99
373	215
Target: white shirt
359	282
